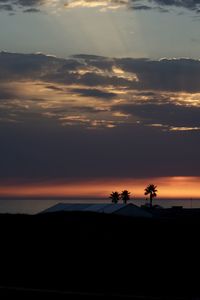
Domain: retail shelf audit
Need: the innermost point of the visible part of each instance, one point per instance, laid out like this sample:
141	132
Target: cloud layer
136	4
123	91
90	117
33	6
189	4
25	5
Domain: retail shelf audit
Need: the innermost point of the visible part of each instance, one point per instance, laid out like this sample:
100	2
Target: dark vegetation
116	197
101	254
151	190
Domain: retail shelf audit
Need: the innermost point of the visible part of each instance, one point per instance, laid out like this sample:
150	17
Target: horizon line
98	198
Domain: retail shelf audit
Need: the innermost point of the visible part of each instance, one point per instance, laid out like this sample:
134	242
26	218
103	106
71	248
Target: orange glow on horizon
168	187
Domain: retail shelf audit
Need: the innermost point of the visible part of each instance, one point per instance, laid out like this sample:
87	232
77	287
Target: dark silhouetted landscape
84	255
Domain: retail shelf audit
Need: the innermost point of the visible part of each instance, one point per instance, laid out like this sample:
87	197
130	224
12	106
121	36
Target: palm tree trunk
151	198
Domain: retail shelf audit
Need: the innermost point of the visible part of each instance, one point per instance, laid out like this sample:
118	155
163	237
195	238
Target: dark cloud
24	66
189	4
6	94
24	2
31	5
48	131
93	93
31	10
29	2
164	5
174	75
139	5
166	74
142	7
54	88
165	114
6	7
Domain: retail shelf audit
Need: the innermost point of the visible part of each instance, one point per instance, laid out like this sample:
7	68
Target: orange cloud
168	187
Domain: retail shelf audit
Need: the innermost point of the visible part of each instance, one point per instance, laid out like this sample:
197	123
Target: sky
98	96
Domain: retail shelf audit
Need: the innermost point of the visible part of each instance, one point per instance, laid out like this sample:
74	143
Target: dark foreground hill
96	254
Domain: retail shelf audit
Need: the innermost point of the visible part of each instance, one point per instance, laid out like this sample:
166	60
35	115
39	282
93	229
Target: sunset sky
99	95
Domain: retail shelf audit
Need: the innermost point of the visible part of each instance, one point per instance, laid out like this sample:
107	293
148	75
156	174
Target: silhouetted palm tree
114	196
151	191
125	196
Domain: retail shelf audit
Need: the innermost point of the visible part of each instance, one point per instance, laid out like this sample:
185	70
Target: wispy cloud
146	5
28	6
33	6
123	91
105	4
189	4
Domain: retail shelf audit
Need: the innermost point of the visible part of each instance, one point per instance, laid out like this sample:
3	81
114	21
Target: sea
35	206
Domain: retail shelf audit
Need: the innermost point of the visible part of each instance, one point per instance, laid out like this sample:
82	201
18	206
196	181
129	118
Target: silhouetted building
130	209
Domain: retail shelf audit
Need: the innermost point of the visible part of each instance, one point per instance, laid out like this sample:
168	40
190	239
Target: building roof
107	208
